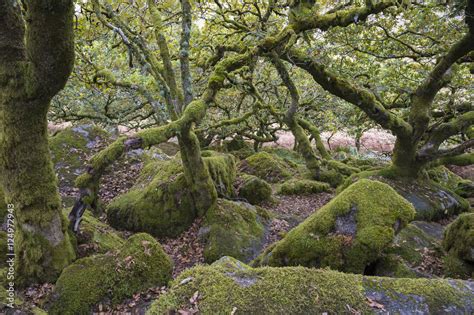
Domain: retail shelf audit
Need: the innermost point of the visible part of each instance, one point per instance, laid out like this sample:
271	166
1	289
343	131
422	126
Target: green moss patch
405	256
253	189
96	237
303	187
161	202
69	149
231	287
139	264
431	200
349	233
266	166
232	229
459	237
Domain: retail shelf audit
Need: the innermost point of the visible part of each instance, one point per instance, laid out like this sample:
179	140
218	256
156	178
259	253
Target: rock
69	148
303	187
405	257
231	287
349	233
459	237
255	190
96	237
140	263
432	201
233	229
458	242
446	178
266	166
161	203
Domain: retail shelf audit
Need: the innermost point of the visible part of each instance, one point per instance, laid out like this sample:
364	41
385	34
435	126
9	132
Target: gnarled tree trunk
35	63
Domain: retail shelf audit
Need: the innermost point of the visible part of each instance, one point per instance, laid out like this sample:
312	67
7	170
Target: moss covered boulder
109	278
458	242
96	237
70	148
161	202
233	228
459	237
266	166
431	200
446	178
405	257
239	148
231	287
254	189
348	234
303	187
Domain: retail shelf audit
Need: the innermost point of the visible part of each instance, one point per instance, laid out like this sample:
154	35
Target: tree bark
33	69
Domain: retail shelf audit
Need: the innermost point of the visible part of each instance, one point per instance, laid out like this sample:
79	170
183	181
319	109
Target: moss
255	190
395	267
140	264
230	286
432	201
349	233
96	237
404	257
223	172
451	181
266	166
69	149
162	202
291	157
459	237
457	268
302	187
232	229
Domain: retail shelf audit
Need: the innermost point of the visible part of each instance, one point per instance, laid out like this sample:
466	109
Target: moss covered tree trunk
35	62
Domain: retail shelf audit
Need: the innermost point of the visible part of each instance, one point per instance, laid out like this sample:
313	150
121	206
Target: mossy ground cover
348	233
139	264
302	187
231	287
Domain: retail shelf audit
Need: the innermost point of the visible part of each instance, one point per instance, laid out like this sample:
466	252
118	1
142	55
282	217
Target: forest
236	157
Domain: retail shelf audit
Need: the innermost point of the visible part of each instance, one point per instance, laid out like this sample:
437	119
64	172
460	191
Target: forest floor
187	250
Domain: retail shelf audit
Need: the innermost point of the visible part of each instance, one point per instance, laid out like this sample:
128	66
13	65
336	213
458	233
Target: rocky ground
187	250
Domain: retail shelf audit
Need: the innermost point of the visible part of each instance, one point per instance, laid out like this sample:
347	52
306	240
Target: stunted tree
36	58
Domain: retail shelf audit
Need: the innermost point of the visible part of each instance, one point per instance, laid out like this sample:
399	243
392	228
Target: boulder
161	203
431	200
231	287
70	148
253	189
96	237
139	264
349	233
458	242
266	166
303	187
405	258
233	228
